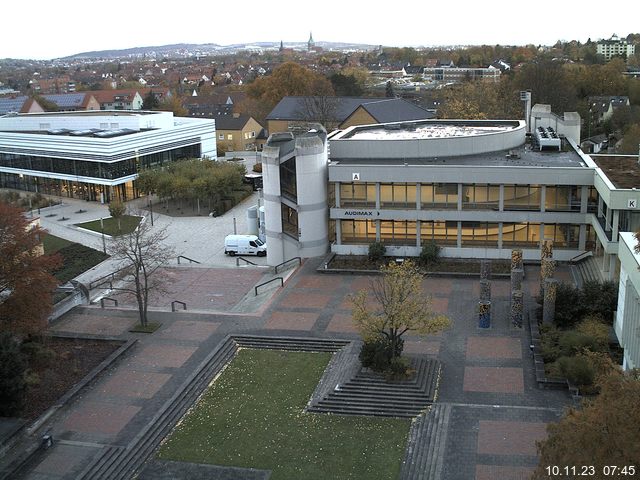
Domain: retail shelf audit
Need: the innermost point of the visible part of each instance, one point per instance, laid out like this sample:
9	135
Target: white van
244	245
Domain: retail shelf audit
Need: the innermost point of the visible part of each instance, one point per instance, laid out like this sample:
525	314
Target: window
358	195
289	220
229	136
398	232
521	235
562	198
480	197
439	196
288	186
358	231
564	236
221	136
522	197
479	234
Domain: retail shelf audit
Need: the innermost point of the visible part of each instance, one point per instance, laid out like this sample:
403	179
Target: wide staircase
424	457
586	270
372	394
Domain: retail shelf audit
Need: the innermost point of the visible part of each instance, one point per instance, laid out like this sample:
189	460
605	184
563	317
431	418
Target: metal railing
249	262
287	261
191	260
268	282
114	300
580	256
110	276
173	305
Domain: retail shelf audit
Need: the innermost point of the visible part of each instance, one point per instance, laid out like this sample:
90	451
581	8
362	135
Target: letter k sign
632	203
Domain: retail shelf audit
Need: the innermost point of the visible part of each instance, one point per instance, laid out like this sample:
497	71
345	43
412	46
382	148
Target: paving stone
99	417
134	384
422	347
437	286
189	330
494	347
298	299
292	320
94	324
500	472
493	379
61	460
341	322
170	356
320	281
509	437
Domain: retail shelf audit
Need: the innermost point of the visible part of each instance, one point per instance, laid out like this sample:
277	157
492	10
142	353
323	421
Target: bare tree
143	252
321	109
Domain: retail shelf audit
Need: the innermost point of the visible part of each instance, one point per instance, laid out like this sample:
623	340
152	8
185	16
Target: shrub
572	342
578	369
569	301
377	354
598	331
257	168
600	299
429	254
398	368
376	251
549	348
13	368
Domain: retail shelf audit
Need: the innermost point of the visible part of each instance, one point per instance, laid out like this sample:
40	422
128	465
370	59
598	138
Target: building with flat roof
615	47
95	155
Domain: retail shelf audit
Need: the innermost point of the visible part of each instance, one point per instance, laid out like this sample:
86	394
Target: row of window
472	234
86	168
474	196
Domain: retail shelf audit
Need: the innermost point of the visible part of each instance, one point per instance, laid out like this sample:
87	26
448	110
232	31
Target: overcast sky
44	29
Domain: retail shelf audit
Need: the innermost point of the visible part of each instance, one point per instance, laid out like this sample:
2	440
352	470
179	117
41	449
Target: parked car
244	245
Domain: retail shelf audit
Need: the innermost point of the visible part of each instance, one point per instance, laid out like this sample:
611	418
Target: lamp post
151	208
104	245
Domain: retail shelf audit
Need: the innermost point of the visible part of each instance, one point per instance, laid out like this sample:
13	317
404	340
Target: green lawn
128	224
252	416
76	258
52	244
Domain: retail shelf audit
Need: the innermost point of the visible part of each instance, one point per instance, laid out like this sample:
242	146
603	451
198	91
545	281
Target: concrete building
95	155
627	319
615	47
461	74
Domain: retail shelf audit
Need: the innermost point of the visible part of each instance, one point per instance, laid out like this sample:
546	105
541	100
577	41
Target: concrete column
500	235
600	206
607	223
484	314
605	262
584	199
614	224
418	196
485	290
612	266
517	276
517	308
338	231
549	301
337	194
543	198
547	271
459	199
582	238
501	202
459	239
418	230
378	230
485	269
516	259
378	196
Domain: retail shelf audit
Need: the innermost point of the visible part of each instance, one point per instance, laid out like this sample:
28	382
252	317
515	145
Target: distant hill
191	49
160	50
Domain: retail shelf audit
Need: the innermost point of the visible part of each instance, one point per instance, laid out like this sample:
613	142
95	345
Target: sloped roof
601	103
230	122
67	100
12	104
381	108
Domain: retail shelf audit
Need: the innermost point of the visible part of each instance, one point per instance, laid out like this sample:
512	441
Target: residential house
124	99
595	144
73	102
238	132
341	112
601	108
21	104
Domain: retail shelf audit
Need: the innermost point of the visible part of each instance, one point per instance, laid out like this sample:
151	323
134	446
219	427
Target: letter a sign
355	177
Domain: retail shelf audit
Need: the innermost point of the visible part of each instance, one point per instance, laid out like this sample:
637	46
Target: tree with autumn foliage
287	79
603	432
401	306
26	282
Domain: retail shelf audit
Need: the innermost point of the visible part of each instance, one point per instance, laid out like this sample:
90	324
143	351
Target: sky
42	29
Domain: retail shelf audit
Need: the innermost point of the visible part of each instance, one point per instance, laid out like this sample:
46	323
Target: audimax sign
361	213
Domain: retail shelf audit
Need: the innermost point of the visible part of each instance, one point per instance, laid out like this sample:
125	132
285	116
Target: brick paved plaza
498	413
